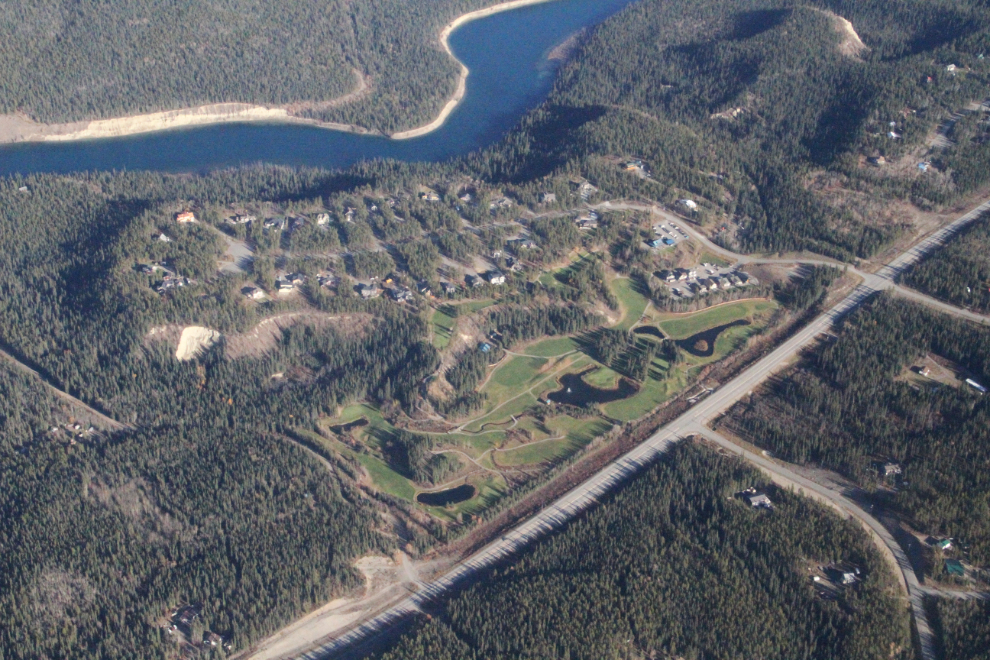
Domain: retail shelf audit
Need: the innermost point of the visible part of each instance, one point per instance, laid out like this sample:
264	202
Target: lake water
510	74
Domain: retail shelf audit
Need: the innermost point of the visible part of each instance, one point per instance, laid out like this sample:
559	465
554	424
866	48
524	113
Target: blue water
510	74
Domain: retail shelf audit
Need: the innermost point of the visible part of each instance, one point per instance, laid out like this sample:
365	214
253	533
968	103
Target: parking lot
667	234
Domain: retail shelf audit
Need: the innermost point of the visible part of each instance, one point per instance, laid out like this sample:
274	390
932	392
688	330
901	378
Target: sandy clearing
194	340
385	580
265	336
18	128
850	45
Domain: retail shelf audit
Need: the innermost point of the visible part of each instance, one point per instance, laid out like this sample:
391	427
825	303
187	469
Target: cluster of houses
170	280
697	284
494	277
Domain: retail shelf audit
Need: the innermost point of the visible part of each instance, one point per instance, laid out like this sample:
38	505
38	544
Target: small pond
344	428
575	391
703	343
649	331
449	496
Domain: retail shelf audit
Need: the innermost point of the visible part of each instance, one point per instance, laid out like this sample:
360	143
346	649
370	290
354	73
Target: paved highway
694	421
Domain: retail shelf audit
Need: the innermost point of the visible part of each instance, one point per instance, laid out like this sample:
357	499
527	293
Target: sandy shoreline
17	128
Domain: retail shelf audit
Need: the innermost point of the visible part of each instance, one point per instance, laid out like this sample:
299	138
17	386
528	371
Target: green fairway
443	328
684	326
632	302
553	347
602	378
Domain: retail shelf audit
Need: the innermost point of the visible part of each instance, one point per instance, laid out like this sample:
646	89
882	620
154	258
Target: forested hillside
677	565
965	629
959	272
851	407
67	60
766	112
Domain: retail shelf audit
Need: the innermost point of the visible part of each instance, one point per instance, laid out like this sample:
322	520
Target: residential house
323	219
429	196
474	281
253	293
185	217
496	277
164	239
890	469
879	161
400	294
485	347
548	198
448	288
689	204
759	500
500	203
424	288
955	568
241	219
284	285
368	291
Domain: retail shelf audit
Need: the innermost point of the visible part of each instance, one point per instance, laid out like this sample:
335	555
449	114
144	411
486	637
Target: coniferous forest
677	565
856	404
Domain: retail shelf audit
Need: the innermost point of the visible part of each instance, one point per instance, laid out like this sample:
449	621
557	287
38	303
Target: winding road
694	422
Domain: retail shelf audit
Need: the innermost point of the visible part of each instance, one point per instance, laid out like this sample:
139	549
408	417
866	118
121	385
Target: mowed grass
443	329
682	327
632	302
576	434
382	476
553	347
651	394
602	378
709	258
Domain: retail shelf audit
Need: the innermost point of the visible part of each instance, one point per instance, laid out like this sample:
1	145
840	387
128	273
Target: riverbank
18	128
15	128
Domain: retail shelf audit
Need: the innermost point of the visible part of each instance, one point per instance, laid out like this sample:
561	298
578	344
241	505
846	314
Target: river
510	74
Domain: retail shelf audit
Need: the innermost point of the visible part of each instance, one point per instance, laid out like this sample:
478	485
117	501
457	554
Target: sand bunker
194	340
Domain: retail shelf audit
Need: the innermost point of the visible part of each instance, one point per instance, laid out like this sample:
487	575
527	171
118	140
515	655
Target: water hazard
649	331
575	391
510	74
449	496
703	343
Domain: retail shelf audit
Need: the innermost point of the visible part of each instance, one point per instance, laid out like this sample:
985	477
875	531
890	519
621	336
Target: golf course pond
575	391
649	331
450	496
703	344
344	428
